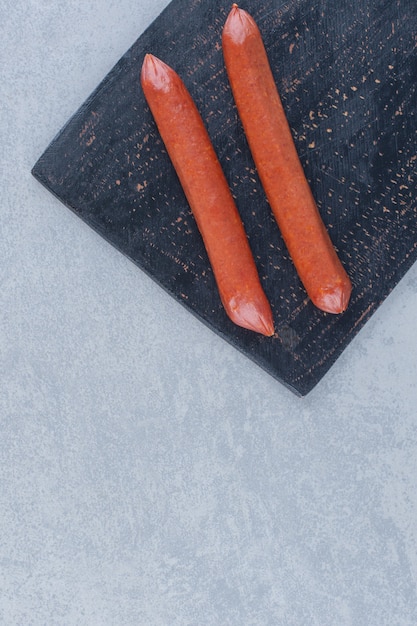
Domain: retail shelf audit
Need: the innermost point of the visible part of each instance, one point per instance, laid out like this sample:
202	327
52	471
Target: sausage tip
248	314
334	300
239	25
156	73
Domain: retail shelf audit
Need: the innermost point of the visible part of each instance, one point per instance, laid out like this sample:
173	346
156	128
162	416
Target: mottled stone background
150	474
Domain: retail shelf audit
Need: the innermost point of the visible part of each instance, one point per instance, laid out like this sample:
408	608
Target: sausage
279	168
208	194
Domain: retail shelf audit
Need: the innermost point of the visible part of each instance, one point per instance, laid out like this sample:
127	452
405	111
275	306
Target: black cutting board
347	74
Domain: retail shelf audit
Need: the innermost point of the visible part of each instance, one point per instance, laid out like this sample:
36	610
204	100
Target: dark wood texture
347	74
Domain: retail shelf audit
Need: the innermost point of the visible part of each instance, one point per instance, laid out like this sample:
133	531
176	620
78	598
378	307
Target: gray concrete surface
149	473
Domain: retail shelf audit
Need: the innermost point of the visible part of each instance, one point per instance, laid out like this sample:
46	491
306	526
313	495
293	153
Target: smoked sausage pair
279	168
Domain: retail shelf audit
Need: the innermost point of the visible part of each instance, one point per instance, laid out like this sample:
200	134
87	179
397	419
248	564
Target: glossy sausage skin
205	186
279	168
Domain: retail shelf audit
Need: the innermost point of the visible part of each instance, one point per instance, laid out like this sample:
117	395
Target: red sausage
279	168
205	186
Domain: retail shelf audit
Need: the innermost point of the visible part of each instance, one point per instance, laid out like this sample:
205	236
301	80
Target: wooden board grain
347	77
